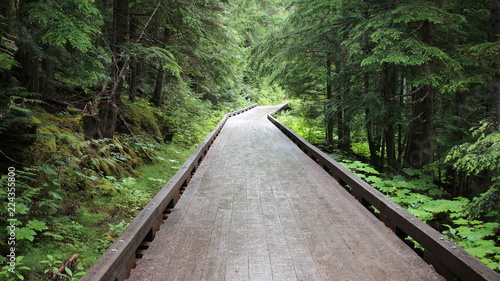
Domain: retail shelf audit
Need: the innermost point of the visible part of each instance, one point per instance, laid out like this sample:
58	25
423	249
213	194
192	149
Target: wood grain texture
259	209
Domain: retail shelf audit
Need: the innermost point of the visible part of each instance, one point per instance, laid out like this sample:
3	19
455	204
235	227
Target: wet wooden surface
259	209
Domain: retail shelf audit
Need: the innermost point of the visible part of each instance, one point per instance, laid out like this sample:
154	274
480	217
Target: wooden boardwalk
259	209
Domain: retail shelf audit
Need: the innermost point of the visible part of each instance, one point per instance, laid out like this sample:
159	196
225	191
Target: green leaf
25	233
435	192
37	225
421	214
442	205
22	209
373	179
461	221
54	236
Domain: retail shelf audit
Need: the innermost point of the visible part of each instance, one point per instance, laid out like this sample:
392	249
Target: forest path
258	208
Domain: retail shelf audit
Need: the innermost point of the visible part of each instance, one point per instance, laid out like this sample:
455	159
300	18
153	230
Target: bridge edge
446	257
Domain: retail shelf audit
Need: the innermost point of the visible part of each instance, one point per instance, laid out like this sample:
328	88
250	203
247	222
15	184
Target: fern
72	22
473	237
484	154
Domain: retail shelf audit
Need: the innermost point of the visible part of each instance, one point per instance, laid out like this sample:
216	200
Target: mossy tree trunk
12	16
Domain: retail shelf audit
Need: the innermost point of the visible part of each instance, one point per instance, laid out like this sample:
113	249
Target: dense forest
102	100
406	93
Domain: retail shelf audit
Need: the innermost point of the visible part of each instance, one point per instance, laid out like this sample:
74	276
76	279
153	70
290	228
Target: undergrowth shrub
421	197
306	121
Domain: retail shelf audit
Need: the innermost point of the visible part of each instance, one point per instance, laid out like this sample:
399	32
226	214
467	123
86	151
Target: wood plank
259	209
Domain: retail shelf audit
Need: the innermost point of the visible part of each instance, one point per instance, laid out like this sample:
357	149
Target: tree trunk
120	21
344	132
12	17
108	114
120	35
28	72
421	144
329	101
48	83
103	125
370	128
157	98
401	136
134	64
389	82
420	148
134	76
374	159
495	84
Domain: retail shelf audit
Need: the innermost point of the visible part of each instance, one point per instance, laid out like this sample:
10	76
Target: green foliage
72	276
423	199
16	110
360	167
477	238
357	65
268	95
28	223
486	204
156	56
7	61
20	269
29	231
72	22
52	264
307	121
116	229
202	120
360	148
482	155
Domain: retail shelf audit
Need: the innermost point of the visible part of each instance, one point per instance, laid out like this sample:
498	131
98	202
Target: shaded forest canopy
93	90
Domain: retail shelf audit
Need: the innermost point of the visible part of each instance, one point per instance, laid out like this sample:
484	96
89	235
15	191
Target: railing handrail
448	259
117	261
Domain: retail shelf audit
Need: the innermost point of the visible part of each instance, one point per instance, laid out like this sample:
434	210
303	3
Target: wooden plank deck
259	209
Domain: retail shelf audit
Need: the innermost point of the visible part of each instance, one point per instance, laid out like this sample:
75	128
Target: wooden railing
448	259
118	260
